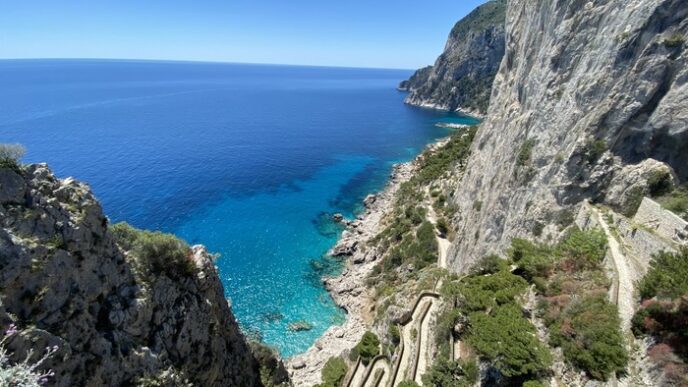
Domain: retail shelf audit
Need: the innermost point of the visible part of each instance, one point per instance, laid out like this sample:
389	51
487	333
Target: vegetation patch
526	153
593	150
663	314
667	276
572	287
408	383
333	372
155	253
408	240
491	320
588	333
367	348
445	373
435	163
272	371
675	201
10	154
674	41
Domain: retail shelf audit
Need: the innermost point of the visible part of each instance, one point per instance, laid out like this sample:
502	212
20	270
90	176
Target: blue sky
361	33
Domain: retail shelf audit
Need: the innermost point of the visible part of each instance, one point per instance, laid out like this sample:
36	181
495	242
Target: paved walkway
622	291
414	349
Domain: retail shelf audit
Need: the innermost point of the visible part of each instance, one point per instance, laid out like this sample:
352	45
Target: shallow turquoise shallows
250	160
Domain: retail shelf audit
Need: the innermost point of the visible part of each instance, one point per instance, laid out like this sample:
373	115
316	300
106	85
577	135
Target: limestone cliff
590	102
65	281
462	75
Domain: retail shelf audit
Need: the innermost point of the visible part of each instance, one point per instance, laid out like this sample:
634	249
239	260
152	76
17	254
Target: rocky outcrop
418	79
65	282
462	76
590	101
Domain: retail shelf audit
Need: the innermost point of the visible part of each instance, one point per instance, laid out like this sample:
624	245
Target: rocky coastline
349	290
466	111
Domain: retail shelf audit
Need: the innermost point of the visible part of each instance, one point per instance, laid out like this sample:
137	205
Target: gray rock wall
65	282
587	95
662	222
461	78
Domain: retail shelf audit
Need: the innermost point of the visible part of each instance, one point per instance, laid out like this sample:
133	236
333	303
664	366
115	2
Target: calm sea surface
250	160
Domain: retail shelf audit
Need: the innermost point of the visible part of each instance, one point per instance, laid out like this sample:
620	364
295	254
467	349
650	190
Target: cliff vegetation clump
407	243
663	314
571	288
10	156
488	317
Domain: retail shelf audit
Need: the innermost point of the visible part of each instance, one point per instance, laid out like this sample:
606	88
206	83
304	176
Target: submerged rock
300	326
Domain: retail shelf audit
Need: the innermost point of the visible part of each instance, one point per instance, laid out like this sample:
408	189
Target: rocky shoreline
349	290
435	106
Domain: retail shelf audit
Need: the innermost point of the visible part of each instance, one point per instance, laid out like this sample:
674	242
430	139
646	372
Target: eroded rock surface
461	78
65	281
587	92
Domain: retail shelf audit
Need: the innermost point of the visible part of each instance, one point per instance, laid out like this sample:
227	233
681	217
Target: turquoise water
250	160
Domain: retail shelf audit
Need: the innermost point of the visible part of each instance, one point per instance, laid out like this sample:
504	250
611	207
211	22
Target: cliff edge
120	306
461	78
590	102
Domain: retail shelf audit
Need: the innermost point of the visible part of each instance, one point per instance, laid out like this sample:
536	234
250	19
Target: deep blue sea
250	160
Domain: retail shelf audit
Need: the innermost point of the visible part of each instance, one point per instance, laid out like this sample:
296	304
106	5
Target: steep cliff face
590	102
462	76
66	281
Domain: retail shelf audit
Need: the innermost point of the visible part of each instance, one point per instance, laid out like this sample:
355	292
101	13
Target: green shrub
593	150
155	252
394	334
534	260
436	163
660	183
533	383
590	336
446	373
442	227
408	383
489	264
565	218
272	371
10	154
538	228
125	235
446	321
333	372
368	347
667	277
477	205
526	152
676	201
485	292
586	248
674	41
508	340
415	214
424	250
